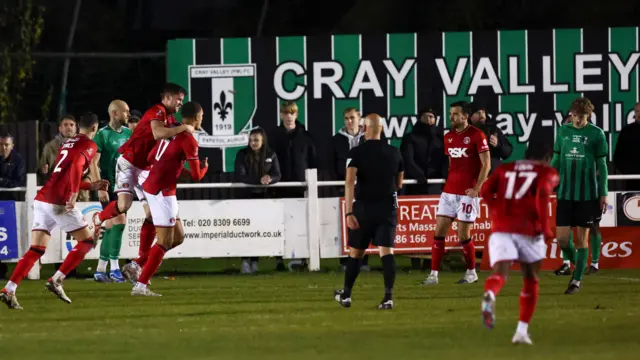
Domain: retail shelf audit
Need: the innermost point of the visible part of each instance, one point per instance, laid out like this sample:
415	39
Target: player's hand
265	180
471	192
352	222
101	186
71	203
205	163
603	204
493	140
45	168
103	196
189	128
549	235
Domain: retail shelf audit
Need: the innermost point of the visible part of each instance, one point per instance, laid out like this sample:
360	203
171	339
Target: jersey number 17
162	147
511	176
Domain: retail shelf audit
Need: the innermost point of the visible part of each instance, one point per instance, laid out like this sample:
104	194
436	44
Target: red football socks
26	263
494	283
528	299
469	250
76	255
153	263
109	212
437	253
147	235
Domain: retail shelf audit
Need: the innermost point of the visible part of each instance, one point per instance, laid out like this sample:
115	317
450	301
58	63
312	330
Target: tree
21	24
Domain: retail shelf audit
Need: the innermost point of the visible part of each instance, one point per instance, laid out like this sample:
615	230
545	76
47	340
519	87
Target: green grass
293	316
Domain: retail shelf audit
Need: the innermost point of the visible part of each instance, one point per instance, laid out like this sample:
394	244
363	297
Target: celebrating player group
150	164
151	159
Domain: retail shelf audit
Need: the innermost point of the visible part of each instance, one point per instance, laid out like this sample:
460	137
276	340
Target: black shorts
112	197
578	213
377	225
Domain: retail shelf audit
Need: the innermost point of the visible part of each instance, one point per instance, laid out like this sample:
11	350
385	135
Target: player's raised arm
162	132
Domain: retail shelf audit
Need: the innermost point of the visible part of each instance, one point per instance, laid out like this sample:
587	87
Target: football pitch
293	316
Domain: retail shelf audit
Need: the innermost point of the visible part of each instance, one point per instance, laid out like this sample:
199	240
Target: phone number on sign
218	222
411	239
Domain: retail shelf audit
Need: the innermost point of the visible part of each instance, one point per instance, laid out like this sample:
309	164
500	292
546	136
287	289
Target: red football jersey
463	149
74	157
518	197
136	149
168	158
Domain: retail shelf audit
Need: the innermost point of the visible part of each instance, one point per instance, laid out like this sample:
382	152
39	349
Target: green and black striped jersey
580	157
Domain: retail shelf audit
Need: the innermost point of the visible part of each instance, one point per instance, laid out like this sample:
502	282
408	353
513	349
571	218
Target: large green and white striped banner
527	79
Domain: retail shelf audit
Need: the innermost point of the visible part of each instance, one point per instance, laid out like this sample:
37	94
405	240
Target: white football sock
114	264
11	287
102	266
522	328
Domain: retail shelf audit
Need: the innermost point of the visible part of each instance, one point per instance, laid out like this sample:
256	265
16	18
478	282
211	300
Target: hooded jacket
341	143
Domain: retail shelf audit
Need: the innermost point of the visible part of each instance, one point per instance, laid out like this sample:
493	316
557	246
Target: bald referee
373	216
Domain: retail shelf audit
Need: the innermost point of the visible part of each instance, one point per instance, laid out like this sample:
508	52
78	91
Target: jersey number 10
511	176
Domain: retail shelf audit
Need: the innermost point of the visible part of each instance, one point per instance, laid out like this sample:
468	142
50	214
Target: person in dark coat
13	171
627	150
423	153
256	164
500	146
295	148
296	152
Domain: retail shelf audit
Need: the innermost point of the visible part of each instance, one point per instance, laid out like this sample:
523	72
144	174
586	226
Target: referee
373	216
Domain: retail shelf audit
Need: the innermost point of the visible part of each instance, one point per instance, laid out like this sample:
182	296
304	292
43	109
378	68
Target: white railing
311	184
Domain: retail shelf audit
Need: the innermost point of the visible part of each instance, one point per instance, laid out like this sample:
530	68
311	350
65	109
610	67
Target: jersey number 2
64	154
528	176
162	147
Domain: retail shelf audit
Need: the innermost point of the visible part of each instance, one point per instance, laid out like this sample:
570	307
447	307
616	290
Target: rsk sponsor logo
458	152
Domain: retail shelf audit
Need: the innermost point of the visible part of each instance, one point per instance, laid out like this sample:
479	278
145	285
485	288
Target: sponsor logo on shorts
125	185
172	220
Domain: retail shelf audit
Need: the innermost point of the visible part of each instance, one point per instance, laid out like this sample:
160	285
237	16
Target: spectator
627	148
346	139
256	164
66	130
423	154
296	152
295	149
350	136
13	172
500	146
134	119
